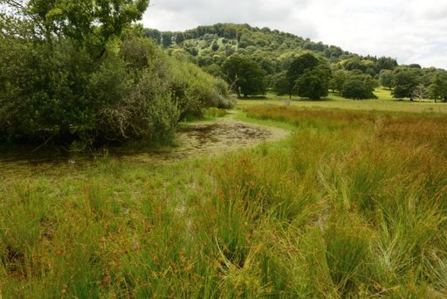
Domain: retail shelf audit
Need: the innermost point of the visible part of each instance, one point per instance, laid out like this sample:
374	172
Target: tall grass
351	205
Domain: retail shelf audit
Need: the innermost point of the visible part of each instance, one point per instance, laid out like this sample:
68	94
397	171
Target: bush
60	92
44	93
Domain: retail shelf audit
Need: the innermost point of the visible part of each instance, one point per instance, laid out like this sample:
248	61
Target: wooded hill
352	75
272	49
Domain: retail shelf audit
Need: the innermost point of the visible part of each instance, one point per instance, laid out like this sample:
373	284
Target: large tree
314	82
91	24
244	75
298	67
406	80
358	86
438	87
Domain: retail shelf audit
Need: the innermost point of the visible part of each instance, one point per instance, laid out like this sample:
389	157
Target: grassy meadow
384	102
351	204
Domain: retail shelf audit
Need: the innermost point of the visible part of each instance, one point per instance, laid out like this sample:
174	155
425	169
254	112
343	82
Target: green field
385	102
351	204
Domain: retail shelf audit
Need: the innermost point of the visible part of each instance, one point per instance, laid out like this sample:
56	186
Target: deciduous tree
358	86
405	82
338	80
298	67
244	75
314	82
386	79
438	87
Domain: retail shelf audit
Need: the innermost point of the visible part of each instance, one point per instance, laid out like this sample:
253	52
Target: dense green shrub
134	91
44	92
81	73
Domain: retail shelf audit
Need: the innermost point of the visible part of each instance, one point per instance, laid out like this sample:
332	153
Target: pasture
384	102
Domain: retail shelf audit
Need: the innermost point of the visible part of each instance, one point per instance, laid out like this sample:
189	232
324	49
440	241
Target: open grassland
351	204
384	102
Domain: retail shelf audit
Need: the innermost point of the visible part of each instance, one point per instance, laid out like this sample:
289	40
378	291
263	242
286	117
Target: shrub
133	91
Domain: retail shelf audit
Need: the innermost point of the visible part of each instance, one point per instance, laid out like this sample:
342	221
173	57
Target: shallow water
210	139
194	140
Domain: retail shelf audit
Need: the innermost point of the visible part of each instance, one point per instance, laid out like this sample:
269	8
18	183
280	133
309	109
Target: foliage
308	76
438	87
406	81
338	80
313	83
298	67
274	52
386	79
420	92
83	74
271	49
244	76
358	86
91	24
281	83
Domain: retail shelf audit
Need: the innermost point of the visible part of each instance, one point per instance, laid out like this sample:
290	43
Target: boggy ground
194	140
351	205
211	138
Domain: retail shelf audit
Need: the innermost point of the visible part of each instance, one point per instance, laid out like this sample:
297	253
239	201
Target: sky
412	31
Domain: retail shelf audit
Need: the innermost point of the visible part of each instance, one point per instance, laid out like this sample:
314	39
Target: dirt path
213	138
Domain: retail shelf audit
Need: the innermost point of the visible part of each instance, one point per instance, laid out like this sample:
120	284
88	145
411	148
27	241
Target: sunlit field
142	163
385	102
351	204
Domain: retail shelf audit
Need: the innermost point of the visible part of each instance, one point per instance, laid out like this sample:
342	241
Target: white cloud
413	31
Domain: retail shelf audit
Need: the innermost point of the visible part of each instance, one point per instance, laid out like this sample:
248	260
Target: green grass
385	102
352	204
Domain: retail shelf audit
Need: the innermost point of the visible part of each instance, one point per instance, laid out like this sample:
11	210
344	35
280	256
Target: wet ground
210	139
194	140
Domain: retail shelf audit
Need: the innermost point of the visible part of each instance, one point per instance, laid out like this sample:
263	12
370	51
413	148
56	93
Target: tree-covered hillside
352	75
272	49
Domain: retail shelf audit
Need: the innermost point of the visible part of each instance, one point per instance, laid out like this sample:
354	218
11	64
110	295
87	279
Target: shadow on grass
259	97
325	99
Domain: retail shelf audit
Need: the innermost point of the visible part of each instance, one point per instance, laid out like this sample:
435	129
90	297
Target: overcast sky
413	31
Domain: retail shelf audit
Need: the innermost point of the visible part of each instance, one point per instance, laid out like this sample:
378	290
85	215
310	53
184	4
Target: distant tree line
414	82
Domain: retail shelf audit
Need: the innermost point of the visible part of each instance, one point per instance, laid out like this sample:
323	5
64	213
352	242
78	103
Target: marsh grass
352	204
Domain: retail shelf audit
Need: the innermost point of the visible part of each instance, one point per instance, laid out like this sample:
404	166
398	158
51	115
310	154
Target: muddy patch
194	140
212	138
